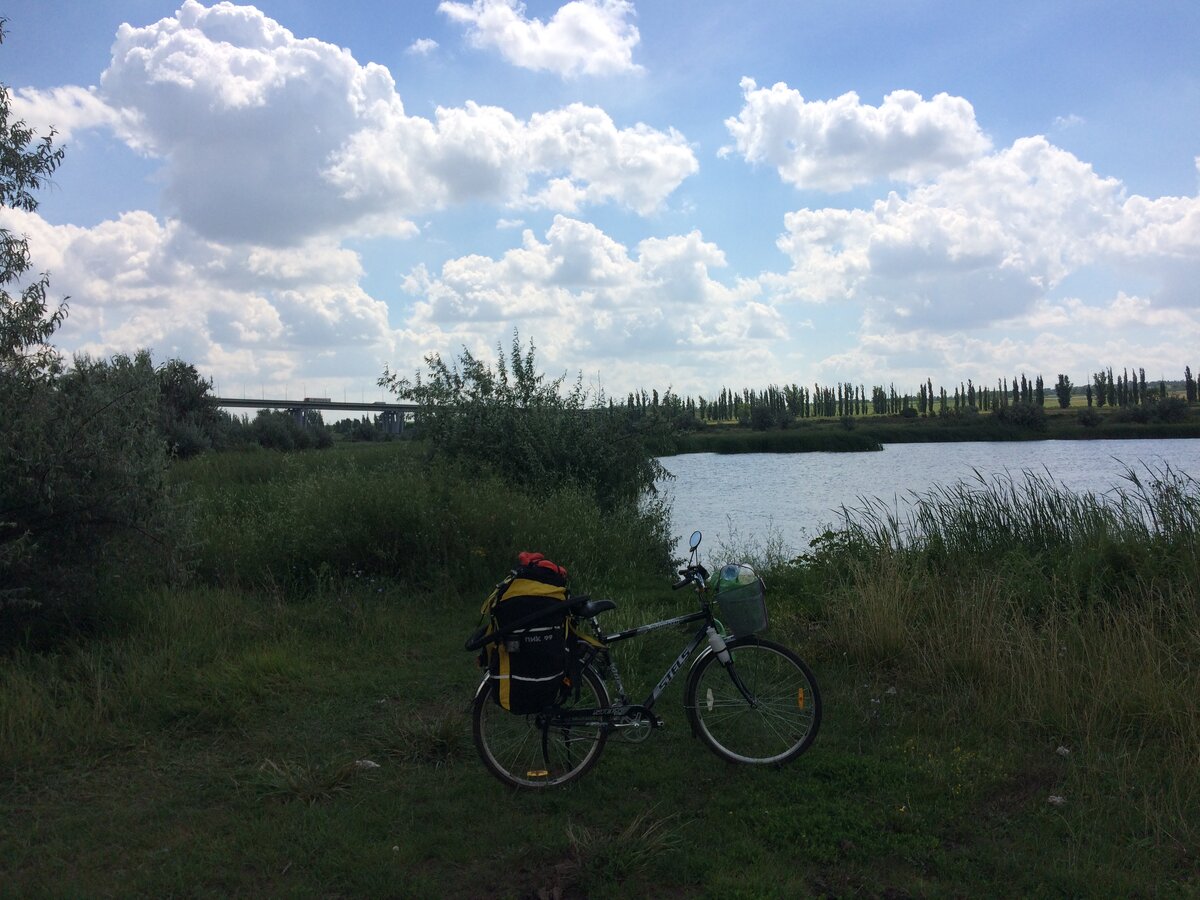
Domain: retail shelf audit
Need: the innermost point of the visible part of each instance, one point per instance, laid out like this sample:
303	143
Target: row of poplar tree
781	403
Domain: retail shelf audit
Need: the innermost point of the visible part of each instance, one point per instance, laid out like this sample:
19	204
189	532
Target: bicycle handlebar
696	574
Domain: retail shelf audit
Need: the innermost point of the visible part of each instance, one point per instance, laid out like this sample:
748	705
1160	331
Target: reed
1076	616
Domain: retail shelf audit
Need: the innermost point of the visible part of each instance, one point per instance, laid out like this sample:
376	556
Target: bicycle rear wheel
512	746
782	722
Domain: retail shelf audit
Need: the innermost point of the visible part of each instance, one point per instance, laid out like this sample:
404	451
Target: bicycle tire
779	729
510	746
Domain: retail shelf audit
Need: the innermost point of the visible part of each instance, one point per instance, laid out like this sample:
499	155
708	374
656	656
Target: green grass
217	739
234	771
290	522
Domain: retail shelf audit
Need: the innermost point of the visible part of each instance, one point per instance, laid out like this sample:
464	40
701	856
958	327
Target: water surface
745	498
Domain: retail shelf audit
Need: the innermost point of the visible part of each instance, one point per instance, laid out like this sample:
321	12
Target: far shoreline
869	434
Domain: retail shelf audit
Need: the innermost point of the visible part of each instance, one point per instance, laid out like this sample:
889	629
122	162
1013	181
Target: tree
84	497
189	419
1063	391
26	164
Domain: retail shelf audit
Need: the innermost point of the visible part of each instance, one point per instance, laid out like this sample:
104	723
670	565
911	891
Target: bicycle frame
700	637
608	717
772	722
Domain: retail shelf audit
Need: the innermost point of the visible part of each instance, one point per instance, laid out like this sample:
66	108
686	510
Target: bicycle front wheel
777	723
543	750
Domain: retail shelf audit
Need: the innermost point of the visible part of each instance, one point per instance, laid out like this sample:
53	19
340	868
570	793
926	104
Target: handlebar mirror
694	541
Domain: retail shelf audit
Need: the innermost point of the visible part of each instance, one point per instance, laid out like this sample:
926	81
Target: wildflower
366	764
1056	800
1063	751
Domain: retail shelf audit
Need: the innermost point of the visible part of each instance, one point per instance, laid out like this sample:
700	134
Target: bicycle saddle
594	608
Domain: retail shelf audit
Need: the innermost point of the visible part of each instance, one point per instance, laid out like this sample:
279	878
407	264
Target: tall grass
387	511
1076	615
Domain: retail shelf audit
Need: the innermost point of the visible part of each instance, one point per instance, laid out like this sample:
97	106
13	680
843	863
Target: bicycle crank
635	726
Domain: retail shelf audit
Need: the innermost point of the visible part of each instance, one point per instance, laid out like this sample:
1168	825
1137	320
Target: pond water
743	499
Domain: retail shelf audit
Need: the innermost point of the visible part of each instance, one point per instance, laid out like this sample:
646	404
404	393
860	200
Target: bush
1139	415
1025	416
514	422
762	418
84	501
1089	418
1169	409
275	429
188	418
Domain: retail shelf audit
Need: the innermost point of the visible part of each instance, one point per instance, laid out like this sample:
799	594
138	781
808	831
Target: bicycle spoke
779	723
524	752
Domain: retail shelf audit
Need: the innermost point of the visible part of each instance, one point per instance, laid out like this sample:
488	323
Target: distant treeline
777	405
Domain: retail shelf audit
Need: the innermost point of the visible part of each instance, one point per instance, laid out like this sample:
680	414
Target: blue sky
295	194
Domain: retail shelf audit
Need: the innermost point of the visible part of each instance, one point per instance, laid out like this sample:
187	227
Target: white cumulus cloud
985	249
835	145
422	47
245	312
981	243
655	315
69	109
271	139
584	37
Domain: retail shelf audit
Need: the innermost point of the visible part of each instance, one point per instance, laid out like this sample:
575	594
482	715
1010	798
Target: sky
296	195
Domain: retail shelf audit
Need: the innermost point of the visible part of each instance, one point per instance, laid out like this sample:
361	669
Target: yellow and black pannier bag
527	612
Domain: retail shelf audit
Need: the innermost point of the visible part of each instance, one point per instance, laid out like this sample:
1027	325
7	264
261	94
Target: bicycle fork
718	647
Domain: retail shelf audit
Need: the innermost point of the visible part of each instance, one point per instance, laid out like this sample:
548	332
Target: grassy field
1011	714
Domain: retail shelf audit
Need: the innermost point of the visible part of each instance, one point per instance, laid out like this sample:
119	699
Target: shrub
1139	415
188	416
1025	416
762	418
1169	409
84	498
83	491
1089	418
513	421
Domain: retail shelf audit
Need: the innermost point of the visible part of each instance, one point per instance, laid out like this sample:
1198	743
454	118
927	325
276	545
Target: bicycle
750	700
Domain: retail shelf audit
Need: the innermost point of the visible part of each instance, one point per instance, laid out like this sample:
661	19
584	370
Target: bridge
391	415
